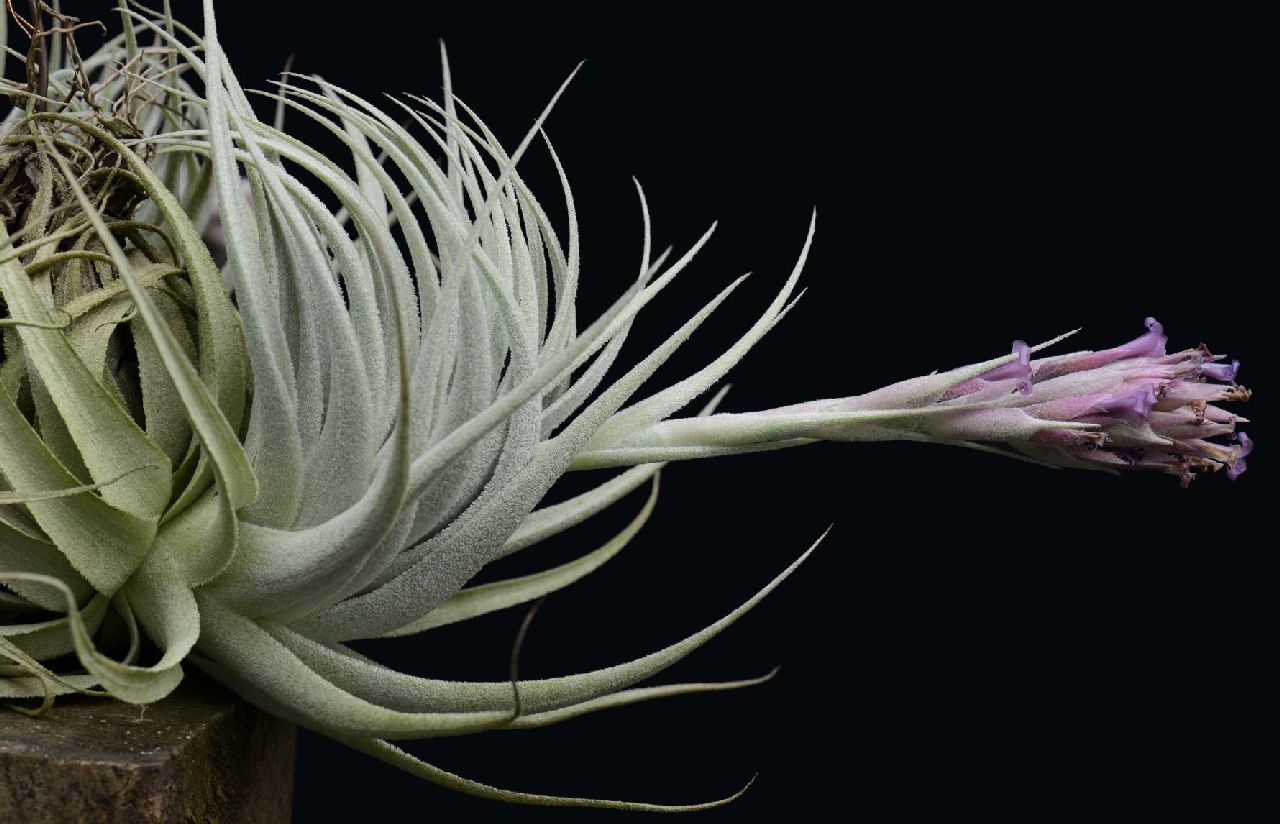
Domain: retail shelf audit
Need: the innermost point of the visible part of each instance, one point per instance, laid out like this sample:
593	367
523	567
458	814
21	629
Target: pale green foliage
328	437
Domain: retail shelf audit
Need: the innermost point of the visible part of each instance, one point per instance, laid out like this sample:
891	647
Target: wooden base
201	755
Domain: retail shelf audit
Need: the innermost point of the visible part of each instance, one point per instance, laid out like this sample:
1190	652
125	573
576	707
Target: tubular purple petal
1019	369
1238	466
1149	345
1014	376
1225	372
1137	403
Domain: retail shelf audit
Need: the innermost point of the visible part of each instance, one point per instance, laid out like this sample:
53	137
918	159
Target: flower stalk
1129	407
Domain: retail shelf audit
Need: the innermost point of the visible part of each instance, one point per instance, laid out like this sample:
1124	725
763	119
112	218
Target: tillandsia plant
246	429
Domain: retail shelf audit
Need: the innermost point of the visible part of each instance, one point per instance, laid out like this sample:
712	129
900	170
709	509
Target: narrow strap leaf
222	355
103	543
237	484
556	518
50	494
48	640
385	751
108	440
626	698
250	653
177	632
391	754
480	600
393	689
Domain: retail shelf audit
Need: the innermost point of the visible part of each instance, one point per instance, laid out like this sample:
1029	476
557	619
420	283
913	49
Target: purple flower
1130	407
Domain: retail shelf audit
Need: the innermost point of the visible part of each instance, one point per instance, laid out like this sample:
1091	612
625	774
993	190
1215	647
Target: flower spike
1129	407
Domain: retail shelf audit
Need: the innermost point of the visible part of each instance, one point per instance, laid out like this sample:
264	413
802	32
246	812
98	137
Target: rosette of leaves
322	440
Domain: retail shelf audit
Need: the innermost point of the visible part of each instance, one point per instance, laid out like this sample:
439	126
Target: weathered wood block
201	755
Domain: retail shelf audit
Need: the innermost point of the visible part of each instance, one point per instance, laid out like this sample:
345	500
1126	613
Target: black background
977	635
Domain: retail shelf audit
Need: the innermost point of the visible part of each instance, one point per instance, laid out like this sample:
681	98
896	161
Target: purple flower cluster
1147	409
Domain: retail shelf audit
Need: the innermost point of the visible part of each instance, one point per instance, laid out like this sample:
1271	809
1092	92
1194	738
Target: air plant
322	437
